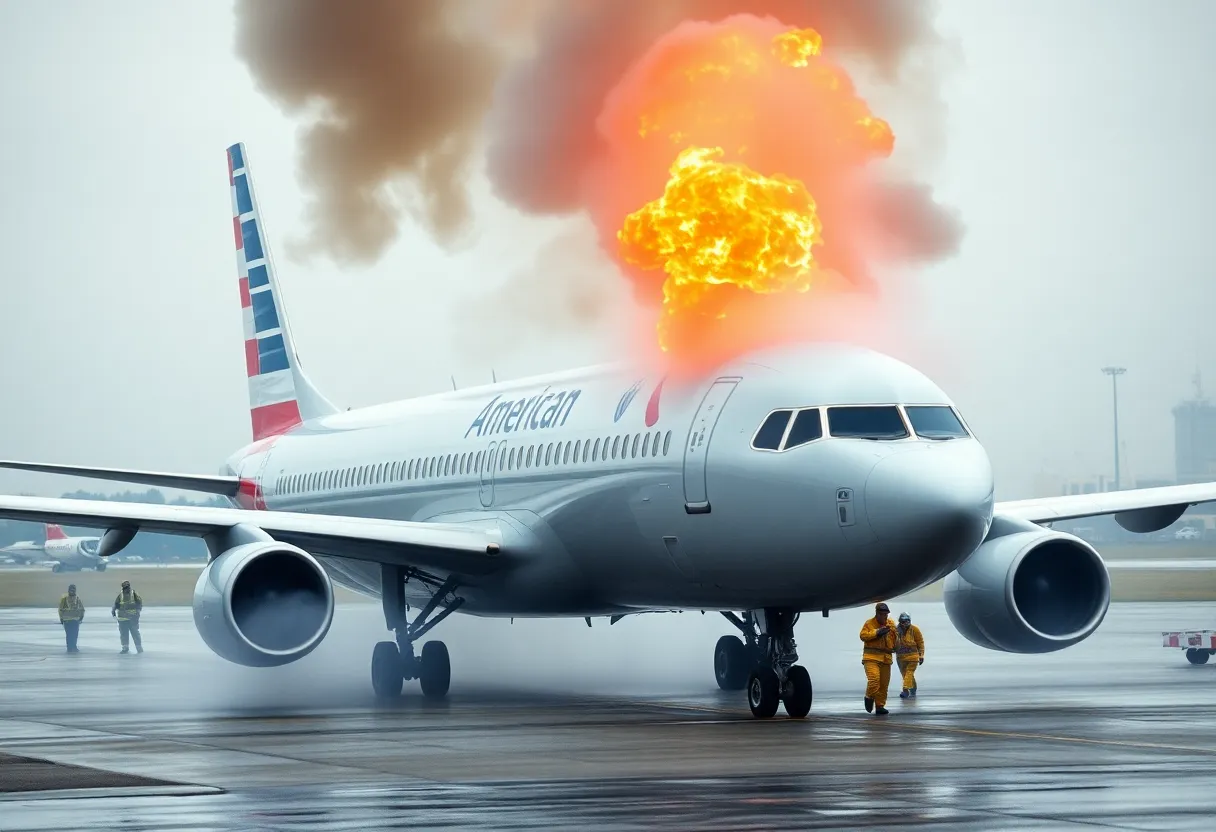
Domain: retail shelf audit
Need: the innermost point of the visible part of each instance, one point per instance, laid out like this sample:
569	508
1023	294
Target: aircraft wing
443	547
1141	500
227	486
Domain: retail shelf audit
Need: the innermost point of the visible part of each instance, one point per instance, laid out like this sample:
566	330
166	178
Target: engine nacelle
263	604
1033	591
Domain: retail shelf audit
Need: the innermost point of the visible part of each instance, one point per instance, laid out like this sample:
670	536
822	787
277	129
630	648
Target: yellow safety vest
877	648
129	607
71	608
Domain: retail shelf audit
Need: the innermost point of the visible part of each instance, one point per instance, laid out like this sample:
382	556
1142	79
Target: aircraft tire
387	679
1197	656
763	693
797	700
101	567
731	663
434	670
56	568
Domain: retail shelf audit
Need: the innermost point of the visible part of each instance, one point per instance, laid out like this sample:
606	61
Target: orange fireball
769	138
718	223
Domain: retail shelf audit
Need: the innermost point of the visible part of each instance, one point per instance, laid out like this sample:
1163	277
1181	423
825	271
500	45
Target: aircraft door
696	449
488	464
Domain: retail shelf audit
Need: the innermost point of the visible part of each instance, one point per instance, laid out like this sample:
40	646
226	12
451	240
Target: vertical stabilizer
280	394
54	532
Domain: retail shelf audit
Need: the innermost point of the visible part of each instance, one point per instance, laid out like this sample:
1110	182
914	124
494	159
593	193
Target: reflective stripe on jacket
70	608
876	648
129	607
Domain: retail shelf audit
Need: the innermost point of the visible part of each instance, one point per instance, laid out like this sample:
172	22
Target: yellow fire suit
909	652
876	659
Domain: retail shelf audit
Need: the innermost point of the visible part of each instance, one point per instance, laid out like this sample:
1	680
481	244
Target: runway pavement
551	725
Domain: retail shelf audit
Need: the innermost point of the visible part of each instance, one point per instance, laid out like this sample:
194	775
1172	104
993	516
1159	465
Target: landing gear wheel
101	567
798	693
434	670
763	692
731	663
1197	656
56	568
386	670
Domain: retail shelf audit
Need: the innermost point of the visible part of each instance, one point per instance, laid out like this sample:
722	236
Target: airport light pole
1114	373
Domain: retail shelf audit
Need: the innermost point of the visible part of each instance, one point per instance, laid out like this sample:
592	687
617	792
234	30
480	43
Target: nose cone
935	500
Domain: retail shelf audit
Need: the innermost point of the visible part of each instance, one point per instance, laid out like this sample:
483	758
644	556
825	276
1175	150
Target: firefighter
71	613
878	639
127	607
909	653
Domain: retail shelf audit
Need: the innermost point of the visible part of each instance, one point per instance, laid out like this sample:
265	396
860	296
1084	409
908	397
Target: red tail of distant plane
54	532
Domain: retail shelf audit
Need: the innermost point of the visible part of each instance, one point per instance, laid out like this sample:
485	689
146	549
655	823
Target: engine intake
1034	591
263	604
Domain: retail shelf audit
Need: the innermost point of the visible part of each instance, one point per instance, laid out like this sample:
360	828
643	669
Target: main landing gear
763	663
393	662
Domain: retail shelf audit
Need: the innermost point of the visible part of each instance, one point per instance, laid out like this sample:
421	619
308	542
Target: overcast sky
1078	150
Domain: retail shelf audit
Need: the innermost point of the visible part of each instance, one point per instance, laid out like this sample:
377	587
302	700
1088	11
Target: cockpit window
768	438
935	422
867	422
807	428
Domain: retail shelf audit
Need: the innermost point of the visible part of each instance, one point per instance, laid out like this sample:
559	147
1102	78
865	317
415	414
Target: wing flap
443	547
225	486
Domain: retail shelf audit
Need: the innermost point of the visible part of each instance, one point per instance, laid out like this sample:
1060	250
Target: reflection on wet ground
551	725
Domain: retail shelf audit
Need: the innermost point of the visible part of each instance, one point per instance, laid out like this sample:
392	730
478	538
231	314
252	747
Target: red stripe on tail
274	419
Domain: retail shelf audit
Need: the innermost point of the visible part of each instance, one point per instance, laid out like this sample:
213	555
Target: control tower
1195	438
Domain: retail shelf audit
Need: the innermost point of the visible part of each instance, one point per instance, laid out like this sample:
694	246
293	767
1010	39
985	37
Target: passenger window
578	447
935	422
633	451
807	428
666	443
645	446
867	422
616	444
595	452
530	456
566	455
502	459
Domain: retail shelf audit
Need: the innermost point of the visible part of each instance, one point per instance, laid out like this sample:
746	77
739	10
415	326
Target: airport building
1195	441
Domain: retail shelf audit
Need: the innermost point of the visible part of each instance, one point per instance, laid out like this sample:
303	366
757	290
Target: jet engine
263	604
1031	591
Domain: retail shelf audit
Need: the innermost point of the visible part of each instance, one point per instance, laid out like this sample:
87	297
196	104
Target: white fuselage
630	492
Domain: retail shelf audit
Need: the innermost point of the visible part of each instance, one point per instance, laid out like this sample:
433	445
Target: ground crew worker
127	607
878	640
71	613
909	653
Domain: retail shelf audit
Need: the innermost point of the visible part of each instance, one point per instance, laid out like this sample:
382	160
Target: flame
720	223
797	47
764	201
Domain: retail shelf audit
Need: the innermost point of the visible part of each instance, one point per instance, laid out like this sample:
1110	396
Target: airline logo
542	411
626	400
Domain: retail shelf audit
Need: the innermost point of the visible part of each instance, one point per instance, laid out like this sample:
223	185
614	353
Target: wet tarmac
551	725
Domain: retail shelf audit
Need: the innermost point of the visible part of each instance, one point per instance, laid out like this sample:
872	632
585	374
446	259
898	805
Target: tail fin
54	532
280	395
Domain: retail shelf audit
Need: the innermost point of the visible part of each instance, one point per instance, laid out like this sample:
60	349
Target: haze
1077	151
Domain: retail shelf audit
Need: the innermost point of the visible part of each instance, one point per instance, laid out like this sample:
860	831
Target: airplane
66	554
811	477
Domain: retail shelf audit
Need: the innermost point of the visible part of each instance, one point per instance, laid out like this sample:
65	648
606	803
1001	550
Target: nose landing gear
393	662
767	654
